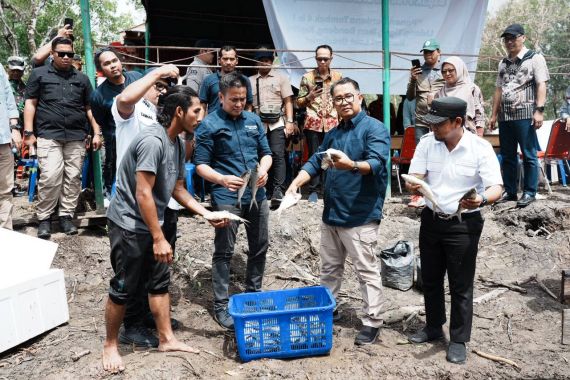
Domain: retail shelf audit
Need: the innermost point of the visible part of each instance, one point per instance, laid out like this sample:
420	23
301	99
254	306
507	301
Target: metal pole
386	89
146	40
90	65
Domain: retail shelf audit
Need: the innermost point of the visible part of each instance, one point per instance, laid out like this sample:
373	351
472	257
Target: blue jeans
519	132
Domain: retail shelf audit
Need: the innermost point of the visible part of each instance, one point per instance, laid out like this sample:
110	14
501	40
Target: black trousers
110	163
137	306
257	232
449	245
276	139
314	140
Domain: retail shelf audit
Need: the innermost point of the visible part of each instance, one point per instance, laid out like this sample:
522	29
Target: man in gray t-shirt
151	151
150	172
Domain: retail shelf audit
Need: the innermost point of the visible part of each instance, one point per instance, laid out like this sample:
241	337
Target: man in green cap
424	81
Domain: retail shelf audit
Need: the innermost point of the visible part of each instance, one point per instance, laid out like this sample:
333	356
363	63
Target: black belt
448	217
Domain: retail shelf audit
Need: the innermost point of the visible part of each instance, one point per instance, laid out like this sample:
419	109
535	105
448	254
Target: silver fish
327	160
424	189
254	176
245	176
219	215
288	201
471	194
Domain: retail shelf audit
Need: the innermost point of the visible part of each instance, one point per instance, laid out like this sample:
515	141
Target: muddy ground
522	324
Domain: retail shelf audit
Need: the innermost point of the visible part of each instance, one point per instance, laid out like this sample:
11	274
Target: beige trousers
60	165
358	243
6	185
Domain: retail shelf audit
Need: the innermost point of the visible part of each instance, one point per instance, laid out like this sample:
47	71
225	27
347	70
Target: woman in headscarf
565	110
458	83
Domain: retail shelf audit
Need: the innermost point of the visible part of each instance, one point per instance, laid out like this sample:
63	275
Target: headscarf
463	88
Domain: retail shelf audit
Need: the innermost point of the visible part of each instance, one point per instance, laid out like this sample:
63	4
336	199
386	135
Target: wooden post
565	287
566	326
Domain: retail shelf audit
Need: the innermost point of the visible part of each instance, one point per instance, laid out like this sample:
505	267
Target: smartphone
416	63
319	85
68	21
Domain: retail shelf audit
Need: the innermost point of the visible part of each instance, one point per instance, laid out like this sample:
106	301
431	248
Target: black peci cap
513	30
445	108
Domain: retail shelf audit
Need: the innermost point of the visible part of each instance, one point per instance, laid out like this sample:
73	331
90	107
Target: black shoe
276	198
456	353
506	197
426	334
138	335
67	225
151	324
367	335
336	316
44	229
525	200
224	319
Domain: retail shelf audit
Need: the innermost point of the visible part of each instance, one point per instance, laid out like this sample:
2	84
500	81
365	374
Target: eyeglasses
322	59
339	99
511	38
445	72
62	54
159	86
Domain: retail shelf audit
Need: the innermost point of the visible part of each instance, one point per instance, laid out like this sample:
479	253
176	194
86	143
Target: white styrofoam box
23	257
32	307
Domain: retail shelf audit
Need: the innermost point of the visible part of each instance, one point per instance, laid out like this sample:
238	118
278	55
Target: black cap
514	30
263	53
445	108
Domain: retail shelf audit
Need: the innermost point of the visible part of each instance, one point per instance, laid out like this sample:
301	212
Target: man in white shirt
452	162
133	111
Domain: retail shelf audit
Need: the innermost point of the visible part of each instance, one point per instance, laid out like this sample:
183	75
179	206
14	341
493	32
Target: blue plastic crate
283	323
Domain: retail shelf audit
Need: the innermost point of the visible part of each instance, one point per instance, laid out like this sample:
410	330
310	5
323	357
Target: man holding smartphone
314	94
425	80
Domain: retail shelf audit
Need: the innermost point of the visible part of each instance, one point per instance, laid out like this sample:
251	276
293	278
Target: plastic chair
407	153
190	170
558	147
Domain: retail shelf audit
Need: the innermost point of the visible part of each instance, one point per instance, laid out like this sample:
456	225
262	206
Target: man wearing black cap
452	162
272	94
519	104
195	75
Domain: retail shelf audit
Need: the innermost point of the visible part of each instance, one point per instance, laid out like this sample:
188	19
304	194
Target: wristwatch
28	133
15	126
355	167
539	109
290	121
484	201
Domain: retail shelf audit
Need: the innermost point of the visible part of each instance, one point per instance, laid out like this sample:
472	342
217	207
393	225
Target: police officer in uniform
452	161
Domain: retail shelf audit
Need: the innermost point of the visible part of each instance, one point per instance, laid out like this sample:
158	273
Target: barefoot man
151	171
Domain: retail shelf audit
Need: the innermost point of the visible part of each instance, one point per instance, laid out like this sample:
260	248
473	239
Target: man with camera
272	94
314	94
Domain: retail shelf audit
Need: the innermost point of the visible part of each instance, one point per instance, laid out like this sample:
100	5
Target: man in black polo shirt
57	111
107	61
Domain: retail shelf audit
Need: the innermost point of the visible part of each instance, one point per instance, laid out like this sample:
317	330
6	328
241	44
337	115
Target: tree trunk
7	32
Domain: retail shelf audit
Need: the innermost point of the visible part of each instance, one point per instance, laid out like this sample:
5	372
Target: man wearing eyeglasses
355	187
58	113
519	105
116	80
314	95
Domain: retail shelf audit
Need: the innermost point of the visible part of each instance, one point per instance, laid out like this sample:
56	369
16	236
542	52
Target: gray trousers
258	241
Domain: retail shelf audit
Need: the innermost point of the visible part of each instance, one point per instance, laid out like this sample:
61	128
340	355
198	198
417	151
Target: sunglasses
445	72
62	54
322	59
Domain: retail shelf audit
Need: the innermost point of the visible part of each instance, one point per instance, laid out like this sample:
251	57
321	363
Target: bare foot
112	361
176	345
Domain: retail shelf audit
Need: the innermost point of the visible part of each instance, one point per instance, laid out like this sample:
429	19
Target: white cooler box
32	296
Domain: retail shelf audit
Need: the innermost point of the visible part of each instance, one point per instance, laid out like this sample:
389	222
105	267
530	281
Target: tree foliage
547	27
25	25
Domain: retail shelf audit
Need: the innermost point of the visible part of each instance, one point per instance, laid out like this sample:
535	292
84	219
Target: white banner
356	25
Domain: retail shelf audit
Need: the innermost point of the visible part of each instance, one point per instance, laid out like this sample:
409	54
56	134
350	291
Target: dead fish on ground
327	160
424	189
287	201
245	176
471	194
253	177
219	215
